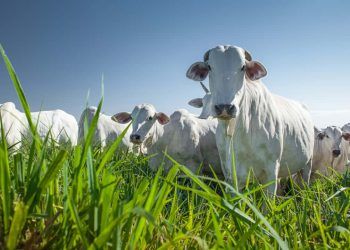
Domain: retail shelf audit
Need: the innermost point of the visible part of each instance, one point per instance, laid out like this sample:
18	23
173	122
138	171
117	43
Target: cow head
331	139
227	67
144	119
346	129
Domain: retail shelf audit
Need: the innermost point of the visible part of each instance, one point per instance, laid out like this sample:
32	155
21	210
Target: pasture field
82	198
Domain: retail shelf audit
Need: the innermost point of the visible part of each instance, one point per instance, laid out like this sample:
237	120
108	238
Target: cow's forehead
346	128
225	51
144	110
333	131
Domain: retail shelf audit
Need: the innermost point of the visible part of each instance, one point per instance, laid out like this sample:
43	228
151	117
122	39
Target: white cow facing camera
182	136
330	151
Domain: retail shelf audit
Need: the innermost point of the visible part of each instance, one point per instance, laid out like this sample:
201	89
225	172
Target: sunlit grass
81	198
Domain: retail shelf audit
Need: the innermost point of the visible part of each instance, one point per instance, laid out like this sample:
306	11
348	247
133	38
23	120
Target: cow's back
110	130
87	114
61	127
106	129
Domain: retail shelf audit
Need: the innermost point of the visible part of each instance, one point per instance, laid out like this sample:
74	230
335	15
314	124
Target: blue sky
60	50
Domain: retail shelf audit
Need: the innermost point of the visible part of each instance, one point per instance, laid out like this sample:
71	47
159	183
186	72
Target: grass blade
17	225
5	184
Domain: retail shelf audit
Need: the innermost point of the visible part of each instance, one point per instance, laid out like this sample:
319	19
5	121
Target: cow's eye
150	118
326	136
243	68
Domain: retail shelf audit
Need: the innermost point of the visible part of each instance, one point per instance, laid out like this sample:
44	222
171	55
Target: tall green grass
61	198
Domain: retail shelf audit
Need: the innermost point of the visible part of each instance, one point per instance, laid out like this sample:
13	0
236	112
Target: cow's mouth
225	117
335	155
136	141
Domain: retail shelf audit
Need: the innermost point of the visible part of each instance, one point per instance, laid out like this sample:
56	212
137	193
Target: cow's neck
157	133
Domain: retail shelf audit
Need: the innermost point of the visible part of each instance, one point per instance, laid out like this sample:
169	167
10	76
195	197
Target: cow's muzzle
225	111
135	138
336	152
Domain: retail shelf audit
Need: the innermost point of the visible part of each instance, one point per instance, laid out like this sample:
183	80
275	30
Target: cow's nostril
336	152
231	109
219	109
135	137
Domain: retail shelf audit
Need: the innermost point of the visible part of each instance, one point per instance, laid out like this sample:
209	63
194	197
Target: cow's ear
198	71
197	102
123	117
255	70
162	118
346	136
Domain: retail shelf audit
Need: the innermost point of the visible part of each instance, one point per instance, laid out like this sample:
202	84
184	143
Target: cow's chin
136	142
225	117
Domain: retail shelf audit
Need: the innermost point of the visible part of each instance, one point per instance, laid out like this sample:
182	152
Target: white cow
346	129
61	127
269	134
106	130
188	139
13	125
330	150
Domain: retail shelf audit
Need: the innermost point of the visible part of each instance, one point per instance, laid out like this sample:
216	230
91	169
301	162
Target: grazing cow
106	130
269	134
61	127
330	150
186	138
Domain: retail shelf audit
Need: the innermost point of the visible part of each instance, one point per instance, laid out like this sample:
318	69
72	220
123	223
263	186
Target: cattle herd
271	135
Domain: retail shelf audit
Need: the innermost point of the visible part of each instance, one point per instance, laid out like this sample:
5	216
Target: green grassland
82	198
